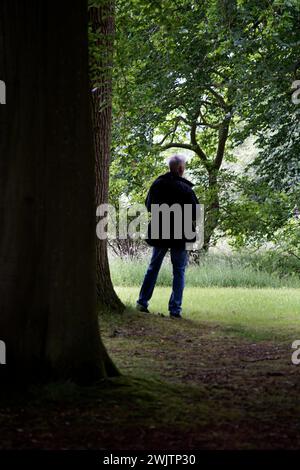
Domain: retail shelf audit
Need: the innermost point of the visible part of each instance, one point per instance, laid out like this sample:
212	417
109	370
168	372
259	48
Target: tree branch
204	122
195	145
219	97
177	145
223	134
173	130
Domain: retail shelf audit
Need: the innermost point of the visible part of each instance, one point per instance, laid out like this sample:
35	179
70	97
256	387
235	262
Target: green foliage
168	66
184	70
252	213
287	239
267	108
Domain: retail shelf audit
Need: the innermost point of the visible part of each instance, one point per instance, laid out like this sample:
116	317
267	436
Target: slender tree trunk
213	208
103	29
48	316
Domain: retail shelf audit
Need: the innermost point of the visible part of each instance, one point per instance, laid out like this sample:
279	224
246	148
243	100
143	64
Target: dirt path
186	386
253	383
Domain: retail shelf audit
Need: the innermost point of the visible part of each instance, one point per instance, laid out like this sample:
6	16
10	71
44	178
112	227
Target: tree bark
48	316
213	209
103	29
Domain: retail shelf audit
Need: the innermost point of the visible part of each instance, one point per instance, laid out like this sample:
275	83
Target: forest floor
186	385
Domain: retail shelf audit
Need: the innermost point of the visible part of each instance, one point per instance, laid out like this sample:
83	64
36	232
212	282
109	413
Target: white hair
175	161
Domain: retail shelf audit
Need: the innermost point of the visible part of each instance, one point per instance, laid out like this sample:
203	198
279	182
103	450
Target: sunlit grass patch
260	313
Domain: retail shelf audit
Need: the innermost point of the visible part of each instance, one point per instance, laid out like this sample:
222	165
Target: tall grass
213	271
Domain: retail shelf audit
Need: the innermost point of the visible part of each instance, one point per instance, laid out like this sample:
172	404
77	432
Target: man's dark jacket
171	189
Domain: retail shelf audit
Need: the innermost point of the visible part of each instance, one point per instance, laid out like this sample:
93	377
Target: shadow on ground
185	386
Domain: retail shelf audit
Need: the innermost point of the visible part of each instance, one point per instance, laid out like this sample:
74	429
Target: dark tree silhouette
48	313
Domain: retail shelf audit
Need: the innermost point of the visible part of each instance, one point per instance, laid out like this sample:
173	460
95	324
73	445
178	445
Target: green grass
217	271
256	313
244	293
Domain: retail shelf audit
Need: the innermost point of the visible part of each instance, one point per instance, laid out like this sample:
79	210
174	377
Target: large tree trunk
48	316
103	28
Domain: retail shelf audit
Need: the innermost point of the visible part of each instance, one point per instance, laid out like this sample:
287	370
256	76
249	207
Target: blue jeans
179	260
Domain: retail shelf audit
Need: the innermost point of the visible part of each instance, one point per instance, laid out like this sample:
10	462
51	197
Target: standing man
173	207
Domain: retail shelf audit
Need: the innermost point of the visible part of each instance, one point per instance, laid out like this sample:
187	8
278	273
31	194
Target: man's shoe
141	308
175	315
